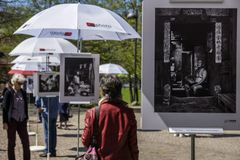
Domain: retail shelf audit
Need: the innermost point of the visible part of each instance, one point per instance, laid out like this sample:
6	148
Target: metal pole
48	154
192	146
78	130
135	59
79	42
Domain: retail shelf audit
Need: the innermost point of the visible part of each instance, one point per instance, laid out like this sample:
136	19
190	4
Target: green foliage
126	95
13	15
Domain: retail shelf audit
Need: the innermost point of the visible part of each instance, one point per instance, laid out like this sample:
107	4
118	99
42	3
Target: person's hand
5	126
40	110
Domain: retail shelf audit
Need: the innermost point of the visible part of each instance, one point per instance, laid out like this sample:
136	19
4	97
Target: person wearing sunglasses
15	116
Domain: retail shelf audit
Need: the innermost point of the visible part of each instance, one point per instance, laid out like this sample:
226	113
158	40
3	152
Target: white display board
190	56
79	77
46	84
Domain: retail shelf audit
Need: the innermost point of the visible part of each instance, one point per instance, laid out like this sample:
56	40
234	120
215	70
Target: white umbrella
29	67
42	46
51	60
111	68
78	21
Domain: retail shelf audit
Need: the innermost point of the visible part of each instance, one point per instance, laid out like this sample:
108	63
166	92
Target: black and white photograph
47	83
195	60
80	77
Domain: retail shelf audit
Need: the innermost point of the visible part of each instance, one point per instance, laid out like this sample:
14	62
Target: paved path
153	145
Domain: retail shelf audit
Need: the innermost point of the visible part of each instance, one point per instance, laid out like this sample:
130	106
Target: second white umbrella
29	67
42	46
51	60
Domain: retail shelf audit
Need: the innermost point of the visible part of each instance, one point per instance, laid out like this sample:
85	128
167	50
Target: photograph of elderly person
15	116
198	80
79	77
117	126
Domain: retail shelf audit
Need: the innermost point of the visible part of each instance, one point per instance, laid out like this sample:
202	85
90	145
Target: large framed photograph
79	78
195	60
46	84
193	53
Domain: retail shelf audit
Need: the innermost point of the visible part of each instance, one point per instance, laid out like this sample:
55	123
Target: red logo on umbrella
89	24
67	33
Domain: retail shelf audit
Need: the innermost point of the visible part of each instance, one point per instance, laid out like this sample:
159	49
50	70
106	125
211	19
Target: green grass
126	95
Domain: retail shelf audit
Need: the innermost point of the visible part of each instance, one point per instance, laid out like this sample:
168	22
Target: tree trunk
130	88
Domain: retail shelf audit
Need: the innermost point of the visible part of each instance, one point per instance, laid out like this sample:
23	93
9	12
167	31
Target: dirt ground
153	145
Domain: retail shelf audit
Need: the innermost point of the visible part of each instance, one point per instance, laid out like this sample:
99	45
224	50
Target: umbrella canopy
42	46
51	60
21	72
78	21
112	69
27	68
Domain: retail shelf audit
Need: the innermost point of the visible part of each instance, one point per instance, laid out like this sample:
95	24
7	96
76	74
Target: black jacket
8	104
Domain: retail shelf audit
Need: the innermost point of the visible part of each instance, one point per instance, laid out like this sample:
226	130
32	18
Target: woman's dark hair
111	87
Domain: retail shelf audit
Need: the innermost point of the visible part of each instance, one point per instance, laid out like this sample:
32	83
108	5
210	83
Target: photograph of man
79	81
198	80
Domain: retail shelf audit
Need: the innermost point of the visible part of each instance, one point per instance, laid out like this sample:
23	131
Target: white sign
218	42
196	1
166	46
196	130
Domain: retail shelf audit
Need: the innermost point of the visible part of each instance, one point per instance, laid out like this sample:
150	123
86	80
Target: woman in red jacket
117	126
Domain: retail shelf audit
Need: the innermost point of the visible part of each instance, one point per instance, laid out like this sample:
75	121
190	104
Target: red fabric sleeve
88	129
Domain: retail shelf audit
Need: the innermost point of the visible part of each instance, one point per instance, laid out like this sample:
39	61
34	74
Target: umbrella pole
48	154
78	130
79	42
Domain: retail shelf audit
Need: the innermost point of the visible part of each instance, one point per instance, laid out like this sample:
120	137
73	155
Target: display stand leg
78	126
30	133
48	154
192	146
37	148
78	130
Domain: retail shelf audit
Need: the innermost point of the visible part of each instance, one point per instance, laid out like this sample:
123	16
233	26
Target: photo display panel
190	53
79	78
195	60
46	84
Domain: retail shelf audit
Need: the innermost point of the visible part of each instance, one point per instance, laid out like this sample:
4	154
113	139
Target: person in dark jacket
15	116
63	109
117	126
